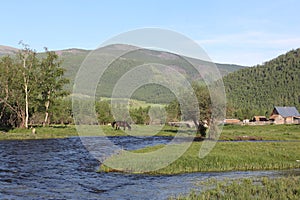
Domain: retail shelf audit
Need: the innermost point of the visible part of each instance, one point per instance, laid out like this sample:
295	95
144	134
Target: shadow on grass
170	130
59	126
5	129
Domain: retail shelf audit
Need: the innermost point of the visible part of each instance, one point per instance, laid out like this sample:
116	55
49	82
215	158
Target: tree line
198	110
32	93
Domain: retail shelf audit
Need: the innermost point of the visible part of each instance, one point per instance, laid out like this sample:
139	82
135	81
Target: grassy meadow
225	156
41	133
61	131
276	147
248	188
261	132
229	132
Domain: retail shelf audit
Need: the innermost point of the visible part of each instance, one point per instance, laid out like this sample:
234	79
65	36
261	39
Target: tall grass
226	156
249	188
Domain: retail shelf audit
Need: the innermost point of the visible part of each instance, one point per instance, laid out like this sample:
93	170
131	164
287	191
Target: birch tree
17	81
27	65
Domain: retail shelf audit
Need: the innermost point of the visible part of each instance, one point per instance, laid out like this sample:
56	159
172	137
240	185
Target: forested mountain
255	90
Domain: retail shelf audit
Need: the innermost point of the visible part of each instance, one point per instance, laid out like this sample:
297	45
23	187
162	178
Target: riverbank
40	133
61	131
229	132
225	156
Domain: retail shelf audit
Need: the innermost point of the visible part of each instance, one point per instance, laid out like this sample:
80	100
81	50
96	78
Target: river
64	169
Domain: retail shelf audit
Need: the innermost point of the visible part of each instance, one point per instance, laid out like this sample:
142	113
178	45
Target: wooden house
285	115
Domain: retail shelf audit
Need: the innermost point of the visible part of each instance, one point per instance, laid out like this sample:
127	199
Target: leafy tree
140	115
61	111
173	111
10	91
83	111
51	81
198	110
18	83
104	112
202	116
26	82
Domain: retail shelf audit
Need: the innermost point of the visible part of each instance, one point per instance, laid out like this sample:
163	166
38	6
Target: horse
118	124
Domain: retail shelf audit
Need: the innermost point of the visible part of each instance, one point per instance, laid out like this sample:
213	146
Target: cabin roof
287	111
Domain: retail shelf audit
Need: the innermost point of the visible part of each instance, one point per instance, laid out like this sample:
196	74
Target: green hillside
71	61
255	90
151	93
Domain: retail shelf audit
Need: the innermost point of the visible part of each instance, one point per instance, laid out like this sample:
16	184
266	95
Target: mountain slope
73	58
255	90
5	50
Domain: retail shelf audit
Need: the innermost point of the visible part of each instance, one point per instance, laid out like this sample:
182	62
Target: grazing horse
118	124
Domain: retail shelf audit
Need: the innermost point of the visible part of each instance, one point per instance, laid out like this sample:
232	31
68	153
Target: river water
64	169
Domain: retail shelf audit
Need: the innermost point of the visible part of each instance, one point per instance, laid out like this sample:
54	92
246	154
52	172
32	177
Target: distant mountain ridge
135	57
6	50
67	56
72	59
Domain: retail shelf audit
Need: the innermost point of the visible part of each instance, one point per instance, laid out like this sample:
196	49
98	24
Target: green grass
264	132
41	133
143	130
57	131
249	188
226	156
231	132
133	103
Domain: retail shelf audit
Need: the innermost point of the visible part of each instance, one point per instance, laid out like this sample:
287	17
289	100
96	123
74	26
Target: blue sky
240	32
